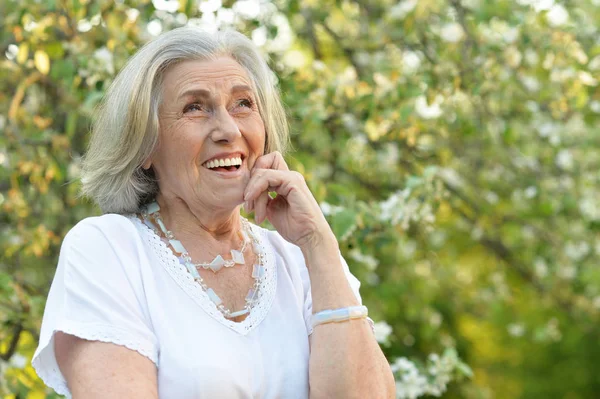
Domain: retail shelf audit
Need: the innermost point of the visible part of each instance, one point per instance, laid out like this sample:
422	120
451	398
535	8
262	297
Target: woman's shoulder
110	227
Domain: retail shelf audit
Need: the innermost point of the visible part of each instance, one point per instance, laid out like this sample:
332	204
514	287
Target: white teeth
224	162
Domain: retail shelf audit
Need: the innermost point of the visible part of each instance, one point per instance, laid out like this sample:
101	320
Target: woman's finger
272	160
260	207
265	180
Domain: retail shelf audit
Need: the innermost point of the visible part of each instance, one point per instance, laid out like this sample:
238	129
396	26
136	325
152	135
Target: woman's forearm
345	359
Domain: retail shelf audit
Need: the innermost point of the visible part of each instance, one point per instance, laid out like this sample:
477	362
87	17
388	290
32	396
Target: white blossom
382	332
540	267
577	251
516	329
18	361
402	364
510	35
411	61
561	75
105	57
499	31
531	57
412	385
295	59
400	208
451	176
400	10
542	5
209	5
166	5
531	83
3	158
436	319
513	56
249	9
530	192
12	51
594	64
491	197
546	129
589	206
538	5
557	16
329	209
471	4
154	27
283	40
83	25
564	160
429	111
452	32
432	379
587	79
132	14
567	272
368	260
225	16
259	36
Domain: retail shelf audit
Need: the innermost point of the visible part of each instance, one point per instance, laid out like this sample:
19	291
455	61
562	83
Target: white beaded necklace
258	271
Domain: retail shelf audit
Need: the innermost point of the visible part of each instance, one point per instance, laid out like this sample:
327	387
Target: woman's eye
245	103
193	107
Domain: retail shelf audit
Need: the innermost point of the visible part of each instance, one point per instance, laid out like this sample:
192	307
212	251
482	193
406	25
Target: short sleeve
354	285
97	294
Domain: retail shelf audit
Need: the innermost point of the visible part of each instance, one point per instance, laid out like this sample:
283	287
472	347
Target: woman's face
208	115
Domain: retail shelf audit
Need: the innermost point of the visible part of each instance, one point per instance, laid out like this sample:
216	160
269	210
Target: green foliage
452	144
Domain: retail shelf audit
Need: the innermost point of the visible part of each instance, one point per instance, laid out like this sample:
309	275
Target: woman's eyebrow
195	93
238	88
206	94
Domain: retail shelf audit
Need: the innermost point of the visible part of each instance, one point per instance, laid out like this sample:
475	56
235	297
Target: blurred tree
453	146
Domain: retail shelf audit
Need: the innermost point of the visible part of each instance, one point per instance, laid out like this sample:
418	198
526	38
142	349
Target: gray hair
125	131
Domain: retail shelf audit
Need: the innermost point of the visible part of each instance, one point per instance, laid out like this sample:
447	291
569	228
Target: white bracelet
337	315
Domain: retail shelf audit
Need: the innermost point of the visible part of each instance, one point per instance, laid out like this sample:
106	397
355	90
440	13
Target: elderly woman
172	293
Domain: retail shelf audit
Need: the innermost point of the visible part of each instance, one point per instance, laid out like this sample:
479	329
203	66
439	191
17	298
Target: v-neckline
177	271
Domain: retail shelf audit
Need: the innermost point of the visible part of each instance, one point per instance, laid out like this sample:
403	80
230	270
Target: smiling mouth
224	164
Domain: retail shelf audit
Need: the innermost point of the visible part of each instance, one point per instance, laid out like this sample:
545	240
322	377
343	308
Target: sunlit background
453	145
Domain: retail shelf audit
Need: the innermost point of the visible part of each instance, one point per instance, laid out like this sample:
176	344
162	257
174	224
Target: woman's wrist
323	241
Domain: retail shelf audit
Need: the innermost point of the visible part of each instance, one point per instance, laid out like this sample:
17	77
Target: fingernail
246	197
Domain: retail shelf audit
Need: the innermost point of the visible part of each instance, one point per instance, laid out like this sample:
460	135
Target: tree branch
14	342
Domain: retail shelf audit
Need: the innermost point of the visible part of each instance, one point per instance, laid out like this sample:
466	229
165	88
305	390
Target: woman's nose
226	129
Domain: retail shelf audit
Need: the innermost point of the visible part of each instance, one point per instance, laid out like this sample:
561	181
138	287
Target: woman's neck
216	228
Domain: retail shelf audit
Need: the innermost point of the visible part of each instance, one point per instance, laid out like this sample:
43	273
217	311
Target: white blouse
116	281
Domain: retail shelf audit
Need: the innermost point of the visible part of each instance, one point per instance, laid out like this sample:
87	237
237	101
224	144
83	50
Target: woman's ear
146	165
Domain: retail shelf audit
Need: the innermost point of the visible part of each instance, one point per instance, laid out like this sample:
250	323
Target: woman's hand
294	212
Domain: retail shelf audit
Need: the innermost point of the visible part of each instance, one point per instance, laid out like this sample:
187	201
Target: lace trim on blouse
184	279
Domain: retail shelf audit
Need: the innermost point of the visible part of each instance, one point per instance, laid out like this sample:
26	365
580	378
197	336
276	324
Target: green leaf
343	223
